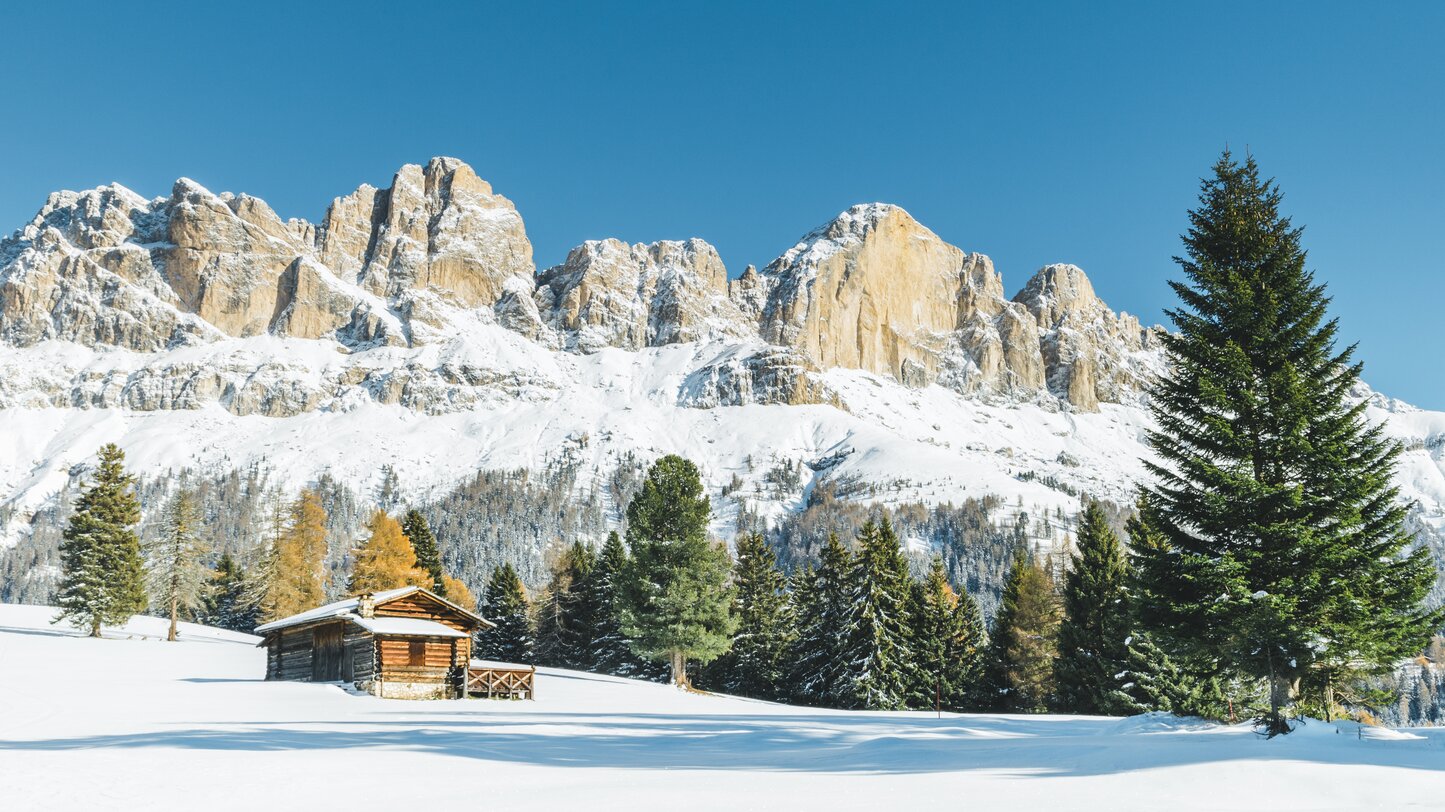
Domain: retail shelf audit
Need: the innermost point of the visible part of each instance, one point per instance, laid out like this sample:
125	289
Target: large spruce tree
675	600
1284	540
1024	639
102	579
877	653
1096	631
948	644
610	650
755	664
822	599
505	604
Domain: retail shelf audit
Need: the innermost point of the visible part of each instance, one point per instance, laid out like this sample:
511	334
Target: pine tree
610	651
1283	537
565	622
386	560
102	577
298	560
424	545
505	604
675	600
178	578
1093	637
755	664
877	654
226	603
948	644
822	598
1024	639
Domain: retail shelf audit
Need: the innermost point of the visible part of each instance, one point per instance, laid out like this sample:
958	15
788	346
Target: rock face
875	290
106	267
610	294
438	255
1091	353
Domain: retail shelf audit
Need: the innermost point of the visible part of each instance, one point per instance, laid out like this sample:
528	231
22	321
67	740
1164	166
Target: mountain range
410	328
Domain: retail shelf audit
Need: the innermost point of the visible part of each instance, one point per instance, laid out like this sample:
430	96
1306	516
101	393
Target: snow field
133	722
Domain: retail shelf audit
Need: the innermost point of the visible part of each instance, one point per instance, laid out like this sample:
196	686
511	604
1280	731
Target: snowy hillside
133	722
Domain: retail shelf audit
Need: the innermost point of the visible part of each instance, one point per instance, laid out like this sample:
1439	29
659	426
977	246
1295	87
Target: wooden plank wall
395	657
293	655
360	648
419	606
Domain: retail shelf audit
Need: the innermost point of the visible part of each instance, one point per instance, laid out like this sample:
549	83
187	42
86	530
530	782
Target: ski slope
133	722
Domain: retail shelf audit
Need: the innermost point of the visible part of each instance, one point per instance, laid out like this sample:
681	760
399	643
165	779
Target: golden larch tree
386	560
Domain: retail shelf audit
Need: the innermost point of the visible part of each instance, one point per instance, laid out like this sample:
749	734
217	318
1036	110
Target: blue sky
1034	133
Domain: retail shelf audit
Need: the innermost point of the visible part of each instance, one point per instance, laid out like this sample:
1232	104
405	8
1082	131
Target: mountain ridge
410	327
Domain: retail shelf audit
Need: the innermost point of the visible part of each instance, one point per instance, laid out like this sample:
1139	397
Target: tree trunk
171	634
95	627
1329	697
679	669
1281	691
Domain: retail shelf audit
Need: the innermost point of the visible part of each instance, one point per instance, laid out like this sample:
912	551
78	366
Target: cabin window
416	652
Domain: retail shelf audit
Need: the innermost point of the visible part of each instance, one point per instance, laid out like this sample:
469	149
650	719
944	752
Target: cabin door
326	653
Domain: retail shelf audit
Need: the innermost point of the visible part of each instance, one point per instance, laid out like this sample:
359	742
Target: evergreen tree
386	560
1024	639
226	604
565	622
424	545
822	598
610	651
102	578
297	565
877	653
1284	540
1095	633
948	644
1152	681
675	600
755	664
506	605
178	578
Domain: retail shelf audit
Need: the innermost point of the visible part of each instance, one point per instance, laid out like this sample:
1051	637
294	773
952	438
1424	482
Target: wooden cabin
403	643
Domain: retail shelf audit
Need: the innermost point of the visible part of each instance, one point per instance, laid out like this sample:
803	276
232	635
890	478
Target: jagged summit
438	253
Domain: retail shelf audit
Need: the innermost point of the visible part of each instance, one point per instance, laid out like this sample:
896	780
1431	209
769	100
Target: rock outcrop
107	267
611	294
438	254
875	290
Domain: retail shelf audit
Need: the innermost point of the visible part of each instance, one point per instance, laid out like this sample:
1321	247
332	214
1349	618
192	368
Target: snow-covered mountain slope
130	722
409	328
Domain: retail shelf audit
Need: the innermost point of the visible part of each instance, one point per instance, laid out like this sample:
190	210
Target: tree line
108	574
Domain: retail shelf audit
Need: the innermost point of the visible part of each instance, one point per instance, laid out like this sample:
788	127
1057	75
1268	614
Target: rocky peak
871	289
1089	349
611	294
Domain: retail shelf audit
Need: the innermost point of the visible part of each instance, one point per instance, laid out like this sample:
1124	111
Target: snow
133	722
341	608
406	626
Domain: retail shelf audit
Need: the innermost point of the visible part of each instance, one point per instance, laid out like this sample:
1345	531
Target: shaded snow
173	722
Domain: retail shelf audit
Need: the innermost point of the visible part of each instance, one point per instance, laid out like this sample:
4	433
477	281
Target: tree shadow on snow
824	743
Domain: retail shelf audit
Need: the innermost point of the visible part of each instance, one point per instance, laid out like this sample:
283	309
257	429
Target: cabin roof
347	609
405	627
